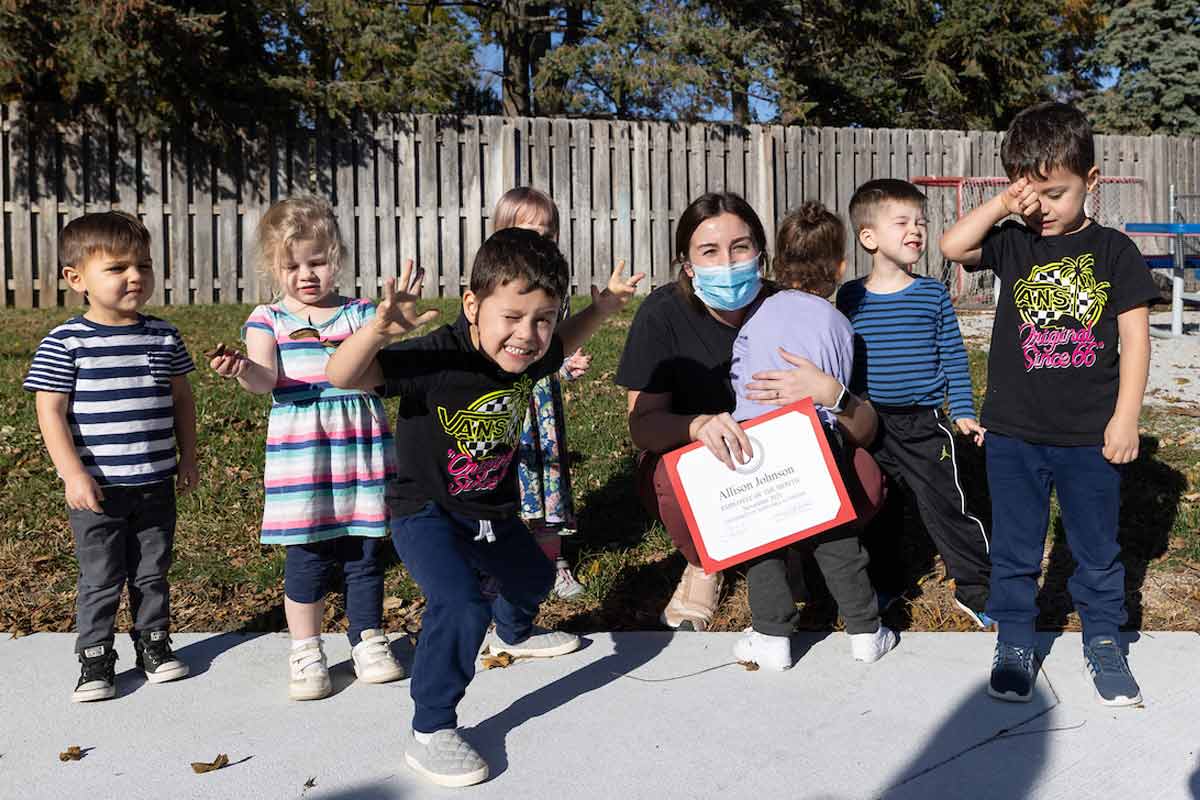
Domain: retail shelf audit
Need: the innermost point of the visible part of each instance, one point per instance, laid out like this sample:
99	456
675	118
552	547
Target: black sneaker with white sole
154	657
97	674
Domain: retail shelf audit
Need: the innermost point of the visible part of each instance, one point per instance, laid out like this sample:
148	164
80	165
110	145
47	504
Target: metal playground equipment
1184	255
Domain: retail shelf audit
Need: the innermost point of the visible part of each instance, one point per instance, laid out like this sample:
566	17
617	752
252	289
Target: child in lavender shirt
809	261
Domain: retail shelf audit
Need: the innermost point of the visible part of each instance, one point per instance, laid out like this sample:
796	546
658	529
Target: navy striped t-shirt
908	348
121	412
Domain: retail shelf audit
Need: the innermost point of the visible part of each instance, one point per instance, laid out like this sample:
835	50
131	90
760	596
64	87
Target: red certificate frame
845	514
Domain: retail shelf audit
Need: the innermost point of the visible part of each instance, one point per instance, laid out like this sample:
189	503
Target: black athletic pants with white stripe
915	447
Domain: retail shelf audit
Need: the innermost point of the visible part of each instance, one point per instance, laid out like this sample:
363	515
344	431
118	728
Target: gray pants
843	562
130	542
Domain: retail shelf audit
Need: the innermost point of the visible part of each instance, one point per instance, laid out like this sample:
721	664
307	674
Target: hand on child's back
619	292
397	314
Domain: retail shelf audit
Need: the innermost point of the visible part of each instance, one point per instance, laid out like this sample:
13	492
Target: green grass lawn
223	579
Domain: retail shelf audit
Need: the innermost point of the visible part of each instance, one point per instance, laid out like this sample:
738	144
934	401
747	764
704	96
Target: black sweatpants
915	448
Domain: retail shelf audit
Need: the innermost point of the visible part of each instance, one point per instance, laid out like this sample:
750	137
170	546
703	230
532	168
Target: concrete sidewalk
632	715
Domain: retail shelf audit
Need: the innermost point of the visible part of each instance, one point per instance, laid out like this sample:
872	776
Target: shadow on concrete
200	655
365	791
949	763
631	650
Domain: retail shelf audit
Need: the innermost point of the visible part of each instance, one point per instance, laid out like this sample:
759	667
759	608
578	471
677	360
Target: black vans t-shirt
459	422
1053	369
675	347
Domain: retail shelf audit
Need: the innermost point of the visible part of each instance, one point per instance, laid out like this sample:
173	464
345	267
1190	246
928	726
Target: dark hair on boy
871	195
519	254
809	247
1047	136
114	233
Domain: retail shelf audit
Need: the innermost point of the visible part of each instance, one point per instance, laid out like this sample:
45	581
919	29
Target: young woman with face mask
676	369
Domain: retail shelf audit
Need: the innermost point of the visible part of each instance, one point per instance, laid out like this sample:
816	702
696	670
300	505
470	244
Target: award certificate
790	489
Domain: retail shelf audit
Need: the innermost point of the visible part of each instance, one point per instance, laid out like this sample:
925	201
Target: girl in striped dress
330	451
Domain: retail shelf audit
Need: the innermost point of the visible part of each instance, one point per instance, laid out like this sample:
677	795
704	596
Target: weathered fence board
424	187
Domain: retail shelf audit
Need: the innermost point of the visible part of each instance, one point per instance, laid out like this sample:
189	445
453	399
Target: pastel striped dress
330	451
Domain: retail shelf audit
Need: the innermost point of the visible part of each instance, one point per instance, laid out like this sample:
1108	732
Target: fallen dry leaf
311	782
73	753
1193	497
750	666
200	767
500	660
219	350
391	603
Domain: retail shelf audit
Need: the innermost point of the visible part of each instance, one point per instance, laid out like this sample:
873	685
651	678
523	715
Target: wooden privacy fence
423	187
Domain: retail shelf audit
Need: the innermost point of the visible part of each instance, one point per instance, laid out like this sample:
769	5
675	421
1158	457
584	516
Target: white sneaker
541	643
373	659
447	760
769	652
309	673
870	647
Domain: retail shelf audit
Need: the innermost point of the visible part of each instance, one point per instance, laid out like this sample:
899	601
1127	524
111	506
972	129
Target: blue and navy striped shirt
121	412
908	348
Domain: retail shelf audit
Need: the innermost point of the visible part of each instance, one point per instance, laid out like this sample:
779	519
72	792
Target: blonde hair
526	206
290	220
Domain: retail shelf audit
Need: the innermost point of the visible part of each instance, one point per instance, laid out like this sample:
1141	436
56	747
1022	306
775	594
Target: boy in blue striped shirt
909	357
113	404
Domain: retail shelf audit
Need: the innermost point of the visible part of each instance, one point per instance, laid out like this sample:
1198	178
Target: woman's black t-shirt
674	346
1053	367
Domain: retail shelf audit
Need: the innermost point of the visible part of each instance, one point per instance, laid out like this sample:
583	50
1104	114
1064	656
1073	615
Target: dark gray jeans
129	543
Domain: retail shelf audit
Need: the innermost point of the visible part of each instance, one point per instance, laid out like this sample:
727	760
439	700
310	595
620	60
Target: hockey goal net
1115	201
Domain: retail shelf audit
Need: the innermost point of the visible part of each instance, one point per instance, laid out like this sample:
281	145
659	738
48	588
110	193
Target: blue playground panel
1190	260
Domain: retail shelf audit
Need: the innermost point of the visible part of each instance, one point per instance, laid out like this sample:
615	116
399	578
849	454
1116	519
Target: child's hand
1121	440
969	427
396	314
1020	198
577	364
188	477
83	493
228	363
618	293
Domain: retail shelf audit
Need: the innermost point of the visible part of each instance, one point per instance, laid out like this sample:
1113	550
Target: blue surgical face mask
727	287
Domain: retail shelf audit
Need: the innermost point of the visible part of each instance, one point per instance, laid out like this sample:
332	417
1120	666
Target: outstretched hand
396	313
618	293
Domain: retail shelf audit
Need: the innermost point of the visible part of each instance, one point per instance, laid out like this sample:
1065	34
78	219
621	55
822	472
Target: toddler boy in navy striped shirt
909	356
113	404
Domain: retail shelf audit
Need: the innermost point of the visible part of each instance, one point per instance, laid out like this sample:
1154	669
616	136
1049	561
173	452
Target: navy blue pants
309	572
1021	476
440	551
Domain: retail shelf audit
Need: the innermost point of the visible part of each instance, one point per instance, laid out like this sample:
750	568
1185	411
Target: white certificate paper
789	490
